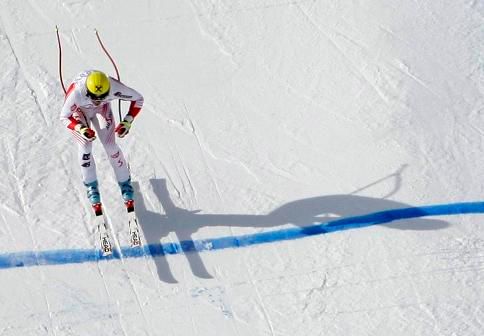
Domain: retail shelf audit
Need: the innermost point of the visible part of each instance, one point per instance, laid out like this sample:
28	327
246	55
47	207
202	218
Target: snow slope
260	116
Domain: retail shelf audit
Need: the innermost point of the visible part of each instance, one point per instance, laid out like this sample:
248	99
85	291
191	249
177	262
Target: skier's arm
124	92
68	109
69	121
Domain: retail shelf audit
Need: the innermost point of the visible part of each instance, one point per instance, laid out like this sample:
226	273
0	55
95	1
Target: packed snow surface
260	116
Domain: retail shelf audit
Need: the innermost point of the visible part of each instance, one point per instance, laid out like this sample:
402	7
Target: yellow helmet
97	85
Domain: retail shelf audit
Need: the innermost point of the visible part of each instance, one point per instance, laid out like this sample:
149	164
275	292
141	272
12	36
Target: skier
87	105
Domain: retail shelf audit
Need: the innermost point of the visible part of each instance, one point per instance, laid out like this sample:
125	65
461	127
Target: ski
134	235
104	240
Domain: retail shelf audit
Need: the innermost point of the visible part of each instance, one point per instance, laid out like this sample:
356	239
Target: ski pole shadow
305	212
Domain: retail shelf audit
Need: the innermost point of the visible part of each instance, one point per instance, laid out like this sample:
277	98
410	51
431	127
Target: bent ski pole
114	64
60	59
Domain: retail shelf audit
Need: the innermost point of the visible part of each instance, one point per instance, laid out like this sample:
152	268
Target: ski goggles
95	97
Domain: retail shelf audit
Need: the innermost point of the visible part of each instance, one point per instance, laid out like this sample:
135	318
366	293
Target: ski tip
106	254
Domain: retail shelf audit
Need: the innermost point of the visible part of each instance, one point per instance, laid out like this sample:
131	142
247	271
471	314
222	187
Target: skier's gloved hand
86	133
123	128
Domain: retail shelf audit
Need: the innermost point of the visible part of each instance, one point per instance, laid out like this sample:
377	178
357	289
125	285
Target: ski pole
60	59
114	64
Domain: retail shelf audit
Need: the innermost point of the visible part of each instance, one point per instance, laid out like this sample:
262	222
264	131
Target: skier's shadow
303	212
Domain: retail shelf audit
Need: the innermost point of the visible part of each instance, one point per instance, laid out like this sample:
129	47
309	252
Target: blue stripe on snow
62	257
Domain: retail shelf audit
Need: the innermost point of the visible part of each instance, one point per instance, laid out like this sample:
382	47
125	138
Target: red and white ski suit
79	109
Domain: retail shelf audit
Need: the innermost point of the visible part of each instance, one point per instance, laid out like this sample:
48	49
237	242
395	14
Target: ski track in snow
249	105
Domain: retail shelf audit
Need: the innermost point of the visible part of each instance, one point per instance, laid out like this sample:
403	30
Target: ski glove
123	128
85	132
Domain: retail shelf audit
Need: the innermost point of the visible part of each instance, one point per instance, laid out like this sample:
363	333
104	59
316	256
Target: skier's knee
115	154
86	160
113	151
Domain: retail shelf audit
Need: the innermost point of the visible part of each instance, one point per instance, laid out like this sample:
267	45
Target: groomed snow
259	116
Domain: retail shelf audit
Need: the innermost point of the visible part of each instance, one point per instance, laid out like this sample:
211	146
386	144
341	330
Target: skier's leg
87	163
105	126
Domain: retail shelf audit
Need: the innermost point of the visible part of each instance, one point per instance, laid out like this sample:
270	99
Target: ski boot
94	197
128	194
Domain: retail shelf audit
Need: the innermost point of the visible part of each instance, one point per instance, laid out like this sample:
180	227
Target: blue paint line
77	256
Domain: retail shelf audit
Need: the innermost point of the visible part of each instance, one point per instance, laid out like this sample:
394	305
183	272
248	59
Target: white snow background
260	115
